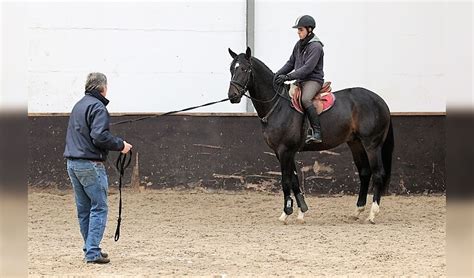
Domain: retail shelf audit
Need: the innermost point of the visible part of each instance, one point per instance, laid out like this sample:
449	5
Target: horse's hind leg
295	184
286	159
378	174
362	163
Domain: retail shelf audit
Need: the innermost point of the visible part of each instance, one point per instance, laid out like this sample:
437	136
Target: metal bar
250	38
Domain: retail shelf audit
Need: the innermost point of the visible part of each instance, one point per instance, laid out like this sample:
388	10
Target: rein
169	113
121	164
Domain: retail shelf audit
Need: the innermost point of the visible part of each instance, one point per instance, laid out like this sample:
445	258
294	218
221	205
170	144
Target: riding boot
313	117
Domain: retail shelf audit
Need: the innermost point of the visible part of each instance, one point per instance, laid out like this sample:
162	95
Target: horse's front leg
295	183
286	177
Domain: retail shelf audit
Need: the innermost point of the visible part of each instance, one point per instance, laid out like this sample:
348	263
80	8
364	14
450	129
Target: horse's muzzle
235	99
233	95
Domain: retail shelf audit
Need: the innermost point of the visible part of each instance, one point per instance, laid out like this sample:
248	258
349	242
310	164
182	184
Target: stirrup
311	138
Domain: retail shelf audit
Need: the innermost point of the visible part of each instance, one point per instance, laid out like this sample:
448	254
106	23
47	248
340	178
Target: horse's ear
232	53
248	53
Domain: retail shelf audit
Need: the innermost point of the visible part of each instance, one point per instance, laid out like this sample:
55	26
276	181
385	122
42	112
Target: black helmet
305	21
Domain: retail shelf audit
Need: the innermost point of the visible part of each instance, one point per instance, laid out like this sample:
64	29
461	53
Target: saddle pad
323	100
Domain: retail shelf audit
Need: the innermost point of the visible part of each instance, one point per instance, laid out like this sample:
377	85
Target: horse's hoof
371	221
285	222
373	212
300	218
283	218
357	213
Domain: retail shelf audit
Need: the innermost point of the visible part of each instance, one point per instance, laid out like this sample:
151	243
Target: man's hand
281	79
275	76
126	147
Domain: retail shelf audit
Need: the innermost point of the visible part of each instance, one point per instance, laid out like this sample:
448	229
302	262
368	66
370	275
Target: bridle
242	91
241	88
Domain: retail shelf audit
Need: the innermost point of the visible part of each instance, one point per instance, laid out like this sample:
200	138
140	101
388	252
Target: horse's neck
262	89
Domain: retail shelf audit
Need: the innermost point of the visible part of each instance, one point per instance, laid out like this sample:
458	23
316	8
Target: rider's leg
309	90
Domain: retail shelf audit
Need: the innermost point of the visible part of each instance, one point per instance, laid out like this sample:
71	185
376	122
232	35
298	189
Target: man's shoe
100	260
103	254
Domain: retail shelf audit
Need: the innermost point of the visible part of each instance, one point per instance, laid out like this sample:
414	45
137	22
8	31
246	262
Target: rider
307	62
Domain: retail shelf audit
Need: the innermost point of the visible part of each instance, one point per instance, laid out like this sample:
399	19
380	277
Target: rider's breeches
309	90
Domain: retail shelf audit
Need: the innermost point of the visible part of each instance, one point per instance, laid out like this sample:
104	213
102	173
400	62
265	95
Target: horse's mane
257	62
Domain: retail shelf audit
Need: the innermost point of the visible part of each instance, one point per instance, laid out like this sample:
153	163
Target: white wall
14	58
158	56
412	54
162	56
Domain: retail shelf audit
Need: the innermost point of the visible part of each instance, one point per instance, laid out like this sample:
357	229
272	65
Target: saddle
323	100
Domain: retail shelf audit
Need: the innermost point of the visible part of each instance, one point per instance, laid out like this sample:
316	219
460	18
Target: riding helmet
305	21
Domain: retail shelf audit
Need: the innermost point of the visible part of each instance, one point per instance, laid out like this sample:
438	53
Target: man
307	62
88	142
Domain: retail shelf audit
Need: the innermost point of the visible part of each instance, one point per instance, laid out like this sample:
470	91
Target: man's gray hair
96	81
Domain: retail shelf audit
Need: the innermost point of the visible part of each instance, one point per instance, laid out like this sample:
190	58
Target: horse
359	118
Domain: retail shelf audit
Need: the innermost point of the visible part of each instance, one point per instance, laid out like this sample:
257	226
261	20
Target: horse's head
241	72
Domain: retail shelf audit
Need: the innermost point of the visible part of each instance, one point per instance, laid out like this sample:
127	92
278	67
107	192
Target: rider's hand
126	147
281	79
275	76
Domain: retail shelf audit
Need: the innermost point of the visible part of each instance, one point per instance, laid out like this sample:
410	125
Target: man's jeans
90	183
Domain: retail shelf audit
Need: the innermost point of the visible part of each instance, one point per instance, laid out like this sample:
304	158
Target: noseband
241	88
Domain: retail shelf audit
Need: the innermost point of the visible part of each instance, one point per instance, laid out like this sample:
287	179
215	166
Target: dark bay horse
359	118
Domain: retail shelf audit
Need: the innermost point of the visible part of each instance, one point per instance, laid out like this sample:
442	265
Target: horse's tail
387	150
